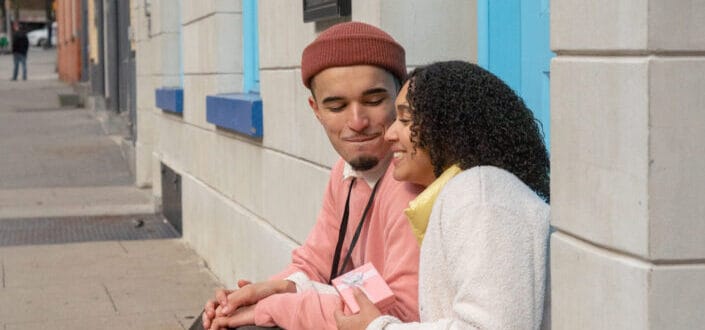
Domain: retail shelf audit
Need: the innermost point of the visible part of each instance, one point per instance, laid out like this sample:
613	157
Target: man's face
355	105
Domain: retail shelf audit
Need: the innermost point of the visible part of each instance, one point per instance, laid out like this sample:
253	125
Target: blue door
514	44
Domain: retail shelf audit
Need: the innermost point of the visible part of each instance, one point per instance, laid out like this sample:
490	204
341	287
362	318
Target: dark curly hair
463	114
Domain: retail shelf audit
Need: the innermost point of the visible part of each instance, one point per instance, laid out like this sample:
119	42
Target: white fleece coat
484	257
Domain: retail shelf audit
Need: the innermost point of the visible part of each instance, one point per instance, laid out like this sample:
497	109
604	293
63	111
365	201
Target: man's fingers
242	283
206	320
221	296
219	323
227	322
210	308
231	303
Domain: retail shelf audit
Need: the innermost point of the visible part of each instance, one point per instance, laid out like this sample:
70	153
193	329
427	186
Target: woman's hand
368	312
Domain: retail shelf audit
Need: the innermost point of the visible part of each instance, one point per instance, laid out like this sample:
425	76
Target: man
354	72
20	44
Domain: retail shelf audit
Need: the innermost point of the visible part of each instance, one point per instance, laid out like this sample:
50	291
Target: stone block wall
627	100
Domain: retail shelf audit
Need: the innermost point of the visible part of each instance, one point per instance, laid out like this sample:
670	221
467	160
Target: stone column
628	164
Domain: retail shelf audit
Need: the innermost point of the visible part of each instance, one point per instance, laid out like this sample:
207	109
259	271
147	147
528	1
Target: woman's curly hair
463	114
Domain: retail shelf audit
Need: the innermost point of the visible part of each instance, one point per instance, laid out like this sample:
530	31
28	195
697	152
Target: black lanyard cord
341	235
343	228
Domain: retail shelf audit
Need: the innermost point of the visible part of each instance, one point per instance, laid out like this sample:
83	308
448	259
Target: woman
466	136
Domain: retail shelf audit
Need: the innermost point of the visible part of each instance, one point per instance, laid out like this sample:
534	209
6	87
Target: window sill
237	112
170	99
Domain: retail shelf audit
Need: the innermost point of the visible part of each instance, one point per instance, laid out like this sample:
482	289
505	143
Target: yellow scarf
420	208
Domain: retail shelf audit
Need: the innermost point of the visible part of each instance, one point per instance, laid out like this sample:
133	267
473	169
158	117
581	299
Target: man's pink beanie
352	43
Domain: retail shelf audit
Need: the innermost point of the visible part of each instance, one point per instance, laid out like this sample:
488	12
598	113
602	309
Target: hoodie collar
370	176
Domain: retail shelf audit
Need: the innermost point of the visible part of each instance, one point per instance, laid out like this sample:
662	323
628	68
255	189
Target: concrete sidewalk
56	162
155	284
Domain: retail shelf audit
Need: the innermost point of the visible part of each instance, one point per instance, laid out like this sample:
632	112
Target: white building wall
627	93
247	203
627	120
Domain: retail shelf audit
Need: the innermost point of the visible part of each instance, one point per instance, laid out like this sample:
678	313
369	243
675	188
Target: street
80	245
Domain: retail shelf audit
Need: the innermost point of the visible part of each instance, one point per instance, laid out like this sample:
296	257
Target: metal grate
171	197
84	229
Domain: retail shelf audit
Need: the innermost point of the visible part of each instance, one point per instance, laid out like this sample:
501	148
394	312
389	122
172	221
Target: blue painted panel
504	41
513	43
239	112
536	61
170	99
250	47
483	56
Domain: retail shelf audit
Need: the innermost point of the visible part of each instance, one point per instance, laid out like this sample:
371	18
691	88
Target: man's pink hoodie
386	241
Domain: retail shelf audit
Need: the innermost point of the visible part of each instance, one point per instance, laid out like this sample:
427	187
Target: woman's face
411	164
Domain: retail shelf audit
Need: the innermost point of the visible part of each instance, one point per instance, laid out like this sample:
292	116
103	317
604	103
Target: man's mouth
360	138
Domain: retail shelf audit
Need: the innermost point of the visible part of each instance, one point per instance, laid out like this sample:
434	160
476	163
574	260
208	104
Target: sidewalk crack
123	247
178	320
110	297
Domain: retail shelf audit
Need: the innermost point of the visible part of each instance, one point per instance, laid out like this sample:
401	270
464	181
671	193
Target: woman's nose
391	134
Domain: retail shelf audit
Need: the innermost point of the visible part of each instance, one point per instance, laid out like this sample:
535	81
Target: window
242	112
250	47
513	43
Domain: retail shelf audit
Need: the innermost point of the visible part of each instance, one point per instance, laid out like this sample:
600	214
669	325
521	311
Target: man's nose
359	120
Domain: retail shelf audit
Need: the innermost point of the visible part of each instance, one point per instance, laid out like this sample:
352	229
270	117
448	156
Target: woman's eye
405	121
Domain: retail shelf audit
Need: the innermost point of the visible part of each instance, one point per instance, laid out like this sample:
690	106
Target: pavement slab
154	284
146	321
74	201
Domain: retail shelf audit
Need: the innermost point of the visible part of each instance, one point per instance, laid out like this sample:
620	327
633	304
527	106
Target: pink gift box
369	281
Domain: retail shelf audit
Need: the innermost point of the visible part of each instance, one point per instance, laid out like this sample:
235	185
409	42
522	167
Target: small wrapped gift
369	281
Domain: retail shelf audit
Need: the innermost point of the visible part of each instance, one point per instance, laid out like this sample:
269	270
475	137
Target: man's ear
314	106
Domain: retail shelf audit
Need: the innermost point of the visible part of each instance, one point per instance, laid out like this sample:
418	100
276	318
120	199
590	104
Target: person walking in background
20	45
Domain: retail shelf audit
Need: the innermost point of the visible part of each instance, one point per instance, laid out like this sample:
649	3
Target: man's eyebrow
373	91
368	92
332	99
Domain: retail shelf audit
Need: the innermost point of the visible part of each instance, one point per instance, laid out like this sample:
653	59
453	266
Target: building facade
226	140
110	67
69	41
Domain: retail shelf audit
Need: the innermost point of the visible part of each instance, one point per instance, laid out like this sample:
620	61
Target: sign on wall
319	10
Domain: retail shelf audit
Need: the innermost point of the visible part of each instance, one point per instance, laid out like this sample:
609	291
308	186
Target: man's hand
251	293
368	312
209	311
243	316
212	307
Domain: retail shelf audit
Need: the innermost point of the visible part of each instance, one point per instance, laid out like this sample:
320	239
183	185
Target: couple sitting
468	252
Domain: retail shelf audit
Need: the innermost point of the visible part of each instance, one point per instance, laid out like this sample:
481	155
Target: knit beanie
352	43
